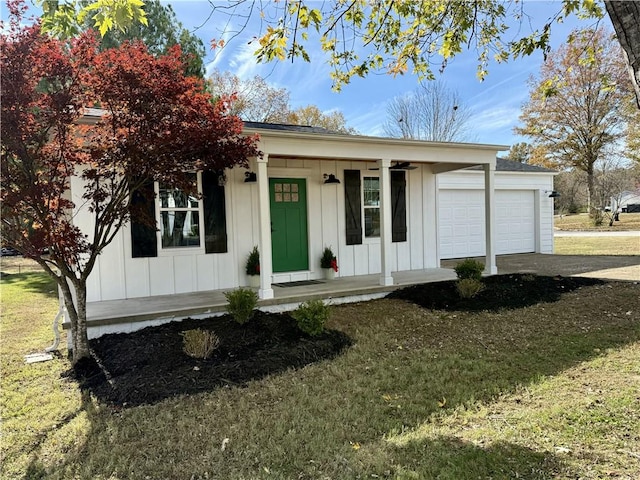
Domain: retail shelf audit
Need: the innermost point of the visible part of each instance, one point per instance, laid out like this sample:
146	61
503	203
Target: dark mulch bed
149	365
500	292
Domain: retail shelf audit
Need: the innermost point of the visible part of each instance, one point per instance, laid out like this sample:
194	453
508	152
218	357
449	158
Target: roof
504	165
319	133
290	128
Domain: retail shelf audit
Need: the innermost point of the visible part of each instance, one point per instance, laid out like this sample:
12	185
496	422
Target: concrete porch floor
208	303
136	313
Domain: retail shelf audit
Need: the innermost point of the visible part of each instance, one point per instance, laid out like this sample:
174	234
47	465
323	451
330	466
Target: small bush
328	259
469	287
199	343
252	266
573	209
242	303
597	218
311	316
469	268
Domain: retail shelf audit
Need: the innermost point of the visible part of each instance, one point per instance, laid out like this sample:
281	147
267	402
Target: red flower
334	265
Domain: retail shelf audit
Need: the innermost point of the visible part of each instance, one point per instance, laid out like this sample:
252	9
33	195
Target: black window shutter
143	237
398	207
352	206
215	218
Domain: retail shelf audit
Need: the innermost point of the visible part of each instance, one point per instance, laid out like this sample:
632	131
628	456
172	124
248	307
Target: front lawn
547	390
582	222
600	245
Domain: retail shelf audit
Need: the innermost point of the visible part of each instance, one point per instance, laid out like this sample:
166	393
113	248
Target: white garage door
461	232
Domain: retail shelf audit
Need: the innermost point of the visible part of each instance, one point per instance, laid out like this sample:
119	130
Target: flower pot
329	273
254	281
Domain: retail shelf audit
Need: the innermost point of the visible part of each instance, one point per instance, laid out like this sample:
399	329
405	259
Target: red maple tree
157	125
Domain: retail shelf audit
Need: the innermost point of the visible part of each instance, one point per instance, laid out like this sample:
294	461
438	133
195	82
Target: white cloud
242	61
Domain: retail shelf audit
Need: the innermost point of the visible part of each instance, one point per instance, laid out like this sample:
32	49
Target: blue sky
495	102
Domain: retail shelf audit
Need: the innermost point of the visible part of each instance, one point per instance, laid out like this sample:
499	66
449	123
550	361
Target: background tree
158	125
431	112
520	152
574	113
612	178
255	100
313	116
161	32
572	187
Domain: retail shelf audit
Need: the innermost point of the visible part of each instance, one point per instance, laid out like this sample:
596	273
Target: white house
627	201
400	205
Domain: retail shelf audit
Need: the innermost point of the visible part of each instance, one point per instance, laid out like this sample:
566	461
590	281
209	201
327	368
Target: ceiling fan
402	166
398	166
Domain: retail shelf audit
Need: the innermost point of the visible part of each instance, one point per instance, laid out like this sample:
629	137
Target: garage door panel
462	223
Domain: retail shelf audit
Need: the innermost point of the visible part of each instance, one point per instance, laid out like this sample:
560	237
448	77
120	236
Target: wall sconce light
330	178
552	193
250	177
222	179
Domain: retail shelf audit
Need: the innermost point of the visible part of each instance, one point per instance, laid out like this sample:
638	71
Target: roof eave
348	138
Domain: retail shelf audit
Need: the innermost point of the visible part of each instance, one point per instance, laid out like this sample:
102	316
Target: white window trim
371	240
173	251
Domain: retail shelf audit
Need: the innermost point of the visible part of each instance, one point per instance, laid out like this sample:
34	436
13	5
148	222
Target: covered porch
123	316
288	151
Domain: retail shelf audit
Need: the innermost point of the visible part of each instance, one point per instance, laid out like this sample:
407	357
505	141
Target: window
184	221
371	204
179	216
364	197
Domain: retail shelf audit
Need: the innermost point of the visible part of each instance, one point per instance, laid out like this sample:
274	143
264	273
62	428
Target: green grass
582	222
597	245
548	391
39	411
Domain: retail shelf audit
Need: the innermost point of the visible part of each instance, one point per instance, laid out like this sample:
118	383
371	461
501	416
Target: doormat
300	283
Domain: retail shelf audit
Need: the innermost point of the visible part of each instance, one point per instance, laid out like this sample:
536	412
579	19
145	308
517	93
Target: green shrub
573	208
242	303
199	343
252	266
469	287
328	259
469	268
311	316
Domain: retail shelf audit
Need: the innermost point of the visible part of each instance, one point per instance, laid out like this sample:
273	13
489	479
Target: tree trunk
625	17
591	188
77	316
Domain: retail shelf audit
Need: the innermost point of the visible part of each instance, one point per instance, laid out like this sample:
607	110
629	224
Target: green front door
289	243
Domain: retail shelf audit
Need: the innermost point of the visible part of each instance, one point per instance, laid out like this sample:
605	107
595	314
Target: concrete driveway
608	267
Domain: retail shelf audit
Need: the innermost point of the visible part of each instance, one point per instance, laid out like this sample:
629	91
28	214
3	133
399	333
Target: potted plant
329	263
253	267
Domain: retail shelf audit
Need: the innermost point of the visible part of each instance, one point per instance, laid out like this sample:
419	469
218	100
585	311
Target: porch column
385	222
264	216
490	267
537	201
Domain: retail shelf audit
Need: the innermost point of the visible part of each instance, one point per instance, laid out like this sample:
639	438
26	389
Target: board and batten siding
118	276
